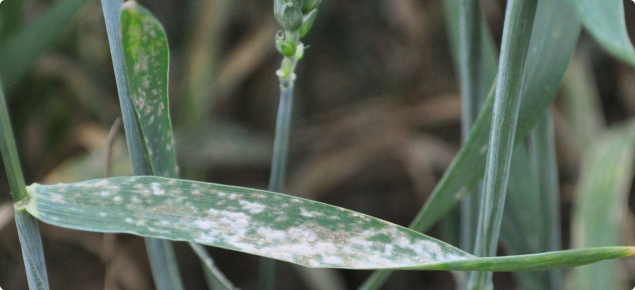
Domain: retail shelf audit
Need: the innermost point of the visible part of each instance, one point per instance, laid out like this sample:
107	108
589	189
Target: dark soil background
376	122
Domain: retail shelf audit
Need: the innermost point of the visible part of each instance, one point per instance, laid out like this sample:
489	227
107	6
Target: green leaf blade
605	181
28	231
269	224
605	21
247	220
554	37
146	56
535	262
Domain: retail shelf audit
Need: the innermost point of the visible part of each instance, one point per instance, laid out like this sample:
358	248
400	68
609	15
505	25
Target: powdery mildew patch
146	59
277	226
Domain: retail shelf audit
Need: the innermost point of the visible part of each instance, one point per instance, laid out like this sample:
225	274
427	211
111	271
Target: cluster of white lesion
289	229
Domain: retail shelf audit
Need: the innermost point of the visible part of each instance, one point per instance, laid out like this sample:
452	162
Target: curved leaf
268	224
604	19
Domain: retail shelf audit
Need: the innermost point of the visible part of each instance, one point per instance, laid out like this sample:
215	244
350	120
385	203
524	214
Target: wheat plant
505	175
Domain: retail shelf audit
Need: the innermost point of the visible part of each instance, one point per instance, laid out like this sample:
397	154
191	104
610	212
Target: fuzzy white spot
388	249
252	207
156	189
57	198
333	260
204	225
308	214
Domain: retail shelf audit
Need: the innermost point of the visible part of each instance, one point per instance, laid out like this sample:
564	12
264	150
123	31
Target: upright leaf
28	232
604	19
553	40
605	181
519	19
525	218
145	54
543	153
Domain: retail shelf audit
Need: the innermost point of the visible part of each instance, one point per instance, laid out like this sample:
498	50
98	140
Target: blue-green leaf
605	181
604	19
268	224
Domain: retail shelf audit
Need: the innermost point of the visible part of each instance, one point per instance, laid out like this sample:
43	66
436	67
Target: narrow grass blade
321	278
604	19
605	180
554	37
582	101
525	219
32	251
268	224
519	20
553	41
543	153
19	52
216	280
112	17
477	65
28	233
9	152
278	166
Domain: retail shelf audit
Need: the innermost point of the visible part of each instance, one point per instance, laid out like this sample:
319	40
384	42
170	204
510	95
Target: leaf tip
129	5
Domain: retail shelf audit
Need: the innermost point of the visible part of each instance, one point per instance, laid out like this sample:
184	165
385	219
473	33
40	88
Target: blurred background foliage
376	120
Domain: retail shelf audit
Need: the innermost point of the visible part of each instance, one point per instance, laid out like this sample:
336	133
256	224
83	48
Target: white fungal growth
57	198
156	189
388	249
252	207
204	224
304	232
308	213
333	260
